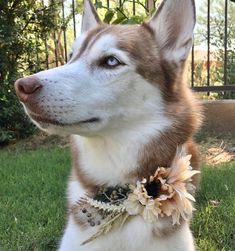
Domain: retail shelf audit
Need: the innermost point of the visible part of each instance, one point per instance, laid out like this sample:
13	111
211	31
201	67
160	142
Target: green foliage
123	14
24	26
13	121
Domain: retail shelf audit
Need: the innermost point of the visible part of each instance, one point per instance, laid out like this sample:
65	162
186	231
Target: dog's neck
124	156
115	158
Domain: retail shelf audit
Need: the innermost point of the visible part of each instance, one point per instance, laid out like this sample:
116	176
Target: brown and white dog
123	97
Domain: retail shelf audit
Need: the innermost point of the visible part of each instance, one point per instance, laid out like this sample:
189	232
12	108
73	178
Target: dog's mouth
91	120
45	120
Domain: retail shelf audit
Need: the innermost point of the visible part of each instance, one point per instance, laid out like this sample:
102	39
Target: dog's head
117	76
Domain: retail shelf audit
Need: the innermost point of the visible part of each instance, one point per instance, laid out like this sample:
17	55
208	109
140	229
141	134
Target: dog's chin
86	127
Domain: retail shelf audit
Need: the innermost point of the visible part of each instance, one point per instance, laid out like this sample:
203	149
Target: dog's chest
134	236
110	167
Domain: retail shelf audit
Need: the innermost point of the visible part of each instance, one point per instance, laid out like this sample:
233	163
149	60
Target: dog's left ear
90	17
173	25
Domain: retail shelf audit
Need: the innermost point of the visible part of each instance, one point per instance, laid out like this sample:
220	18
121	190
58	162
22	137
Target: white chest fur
134	236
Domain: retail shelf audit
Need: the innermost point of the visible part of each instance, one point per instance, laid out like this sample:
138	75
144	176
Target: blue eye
111	61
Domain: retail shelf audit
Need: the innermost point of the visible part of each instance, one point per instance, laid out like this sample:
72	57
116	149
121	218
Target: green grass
214	227
33	204
32	198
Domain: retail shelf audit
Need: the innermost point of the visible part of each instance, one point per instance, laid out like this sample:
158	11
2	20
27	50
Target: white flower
133	205
151	211
137	199
141	192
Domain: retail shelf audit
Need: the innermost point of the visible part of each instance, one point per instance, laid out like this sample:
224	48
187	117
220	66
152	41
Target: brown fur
91	36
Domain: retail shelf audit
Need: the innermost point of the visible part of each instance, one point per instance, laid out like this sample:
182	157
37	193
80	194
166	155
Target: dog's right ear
173	25
90	17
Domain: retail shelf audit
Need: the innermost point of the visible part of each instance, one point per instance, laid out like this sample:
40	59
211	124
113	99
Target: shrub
24	26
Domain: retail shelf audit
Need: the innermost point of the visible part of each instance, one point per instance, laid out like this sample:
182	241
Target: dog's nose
26	87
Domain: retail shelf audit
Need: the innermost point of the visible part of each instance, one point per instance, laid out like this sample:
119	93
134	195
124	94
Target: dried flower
166	193
179	177
133	205
151	210
137	199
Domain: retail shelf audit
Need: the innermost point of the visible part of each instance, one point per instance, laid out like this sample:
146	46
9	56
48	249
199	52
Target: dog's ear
173	25
90	17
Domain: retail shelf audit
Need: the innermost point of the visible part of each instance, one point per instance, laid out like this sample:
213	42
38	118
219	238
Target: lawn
32	198
33	201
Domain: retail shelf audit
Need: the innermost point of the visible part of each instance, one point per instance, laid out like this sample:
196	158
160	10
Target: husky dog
123	98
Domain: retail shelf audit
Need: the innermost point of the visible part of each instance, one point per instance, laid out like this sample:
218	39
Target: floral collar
167	193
